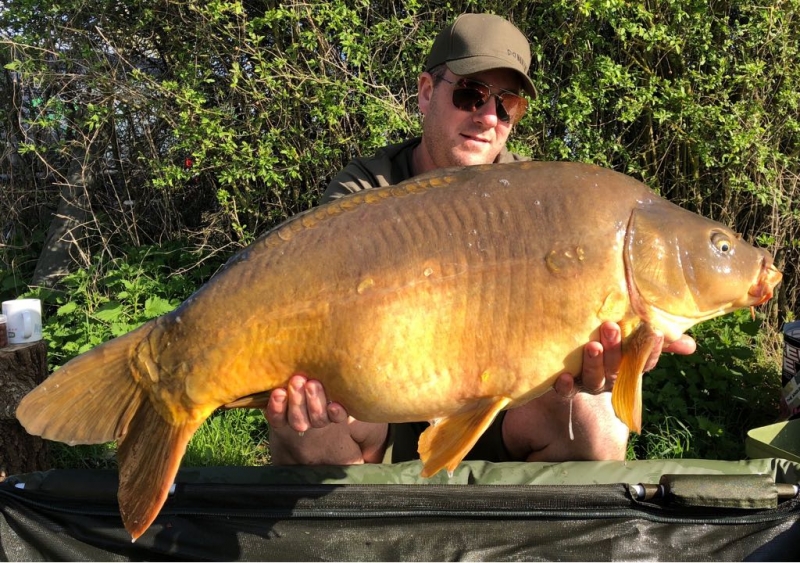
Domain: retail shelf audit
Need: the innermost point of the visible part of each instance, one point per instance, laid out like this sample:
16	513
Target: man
470	98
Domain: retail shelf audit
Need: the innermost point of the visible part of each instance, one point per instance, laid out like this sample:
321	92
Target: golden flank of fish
446	298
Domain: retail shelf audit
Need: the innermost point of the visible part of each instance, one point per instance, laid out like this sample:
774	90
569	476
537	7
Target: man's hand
301	406
597	433
601	361
307	429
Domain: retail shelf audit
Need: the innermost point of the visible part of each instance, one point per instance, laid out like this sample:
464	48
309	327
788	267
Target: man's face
453	137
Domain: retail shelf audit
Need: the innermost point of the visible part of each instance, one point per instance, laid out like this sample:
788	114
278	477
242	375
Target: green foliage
114	296
698	100
667	438
702	405
269	100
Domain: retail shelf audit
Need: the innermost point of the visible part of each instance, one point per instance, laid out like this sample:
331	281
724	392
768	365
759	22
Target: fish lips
769	277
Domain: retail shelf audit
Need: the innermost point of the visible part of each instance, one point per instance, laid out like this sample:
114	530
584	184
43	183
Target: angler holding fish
450	298
466	122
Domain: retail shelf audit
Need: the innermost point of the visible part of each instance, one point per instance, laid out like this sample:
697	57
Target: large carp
446	298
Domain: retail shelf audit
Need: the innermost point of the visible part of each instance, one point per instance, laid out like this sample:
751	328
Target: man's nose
487	113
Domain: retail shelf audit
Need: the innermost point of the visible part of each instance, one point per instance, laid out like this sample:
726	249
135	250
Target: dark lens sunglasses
469	95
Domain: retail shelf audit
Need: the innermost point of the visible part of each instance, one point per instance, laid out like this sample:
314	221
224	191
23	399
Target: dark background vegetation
159	137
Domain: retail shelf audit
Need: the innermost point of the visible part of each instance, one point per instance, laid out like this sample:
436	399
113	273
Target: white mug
23	320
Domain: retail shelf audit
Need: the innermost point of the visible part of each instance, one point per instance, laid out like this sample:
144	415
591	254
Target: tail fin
95	398
91	399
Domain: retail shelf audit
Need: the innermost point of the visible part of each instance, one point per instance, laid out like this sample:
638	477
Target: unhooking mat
687	510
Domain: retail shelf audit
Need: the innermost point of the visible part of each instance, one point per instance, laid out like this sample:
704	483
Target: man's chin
472	158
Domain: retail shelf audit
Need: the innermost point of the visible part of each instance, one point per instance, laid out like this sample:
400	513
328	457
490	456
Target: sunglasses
469	95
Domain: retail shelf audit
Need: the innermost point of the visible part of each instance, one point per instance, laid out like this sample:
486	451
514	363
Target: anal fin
444	445
627	394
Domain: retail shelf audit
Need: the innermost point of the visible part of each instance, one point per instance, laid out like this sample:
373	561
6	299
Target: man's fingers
602	360
316	404
337	413
593	372
302	405
276	408
296	413
684	345
565	385
611	339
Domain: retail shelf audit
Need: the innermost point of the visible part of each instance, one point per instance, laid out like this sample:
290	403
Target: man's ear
425	84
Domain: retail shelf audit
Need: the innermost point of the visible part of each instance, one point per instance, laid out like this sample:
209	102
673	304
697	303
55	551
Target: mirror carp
446	298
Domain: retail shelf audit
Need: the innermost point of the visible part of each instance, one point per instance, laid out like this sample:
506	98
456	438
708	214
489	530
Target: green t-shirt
389	166
392	165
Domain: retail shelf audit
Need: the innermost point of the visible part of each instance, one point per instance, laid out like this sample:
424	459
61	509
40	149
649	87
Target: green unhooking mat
687	510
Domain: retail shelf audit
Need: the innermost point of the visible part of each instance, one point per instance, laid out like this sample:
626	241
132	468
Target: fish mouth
762	290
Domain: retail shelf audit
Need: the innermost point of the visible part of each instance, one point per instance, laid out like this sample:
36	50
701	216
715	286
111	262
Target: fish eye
722	242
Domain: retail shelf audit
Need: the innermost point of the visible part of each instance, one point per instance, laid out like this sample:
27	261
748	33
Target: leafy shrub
702	405
114	296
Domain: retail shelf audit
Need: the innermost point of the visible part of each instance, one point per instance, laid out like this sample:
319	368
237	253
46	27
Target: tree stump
22	367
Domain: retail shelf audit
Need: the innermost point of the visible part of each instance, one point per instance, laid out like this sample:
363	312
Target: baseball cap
477	42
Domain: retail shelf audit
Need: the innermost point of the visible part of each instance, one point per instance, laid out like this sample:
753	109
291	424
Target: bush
702	405
116	295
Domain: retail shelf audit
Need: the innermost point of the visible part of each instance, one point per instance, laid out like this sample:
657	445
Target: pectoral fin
627	394
445	444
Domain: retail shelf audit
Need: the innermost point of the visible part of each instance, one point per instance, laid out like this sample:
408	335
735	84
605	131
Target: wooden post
22	367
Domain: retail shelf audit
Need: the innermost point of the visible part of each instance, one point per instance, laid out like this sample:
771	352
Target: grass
702	406
669	439
233	437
